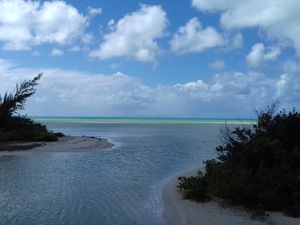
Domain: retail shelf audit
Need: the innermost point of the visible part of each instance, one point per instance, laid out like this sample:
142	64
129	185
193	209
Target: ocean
119	186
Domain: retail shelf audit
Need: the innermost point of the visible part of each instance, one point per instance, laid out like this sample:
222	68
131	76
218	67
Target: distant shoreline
64	144
143	120
179	211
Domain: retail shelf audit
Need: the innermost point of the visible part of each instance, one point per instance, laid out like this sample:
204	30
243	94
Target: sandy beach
64	144
179	211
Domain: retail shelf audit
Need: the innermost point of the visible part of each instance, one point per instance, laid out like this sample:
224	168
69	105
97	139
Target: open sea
119	186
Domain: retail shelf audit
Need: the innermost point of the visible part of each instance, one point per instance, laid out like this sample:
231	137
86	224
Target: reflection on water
112	187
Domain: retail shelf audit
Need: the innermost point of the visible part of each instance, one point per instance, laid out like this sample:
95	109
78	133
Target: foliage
11	102
257	167
24	129
15	127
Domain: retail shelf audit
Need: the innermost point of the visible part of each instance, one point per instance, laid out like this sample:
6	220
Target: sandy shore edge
178	211
64	144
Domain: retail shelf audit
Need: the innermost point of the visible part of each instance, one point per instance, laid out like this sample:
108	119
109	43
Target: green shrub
24	129
194	187
257	167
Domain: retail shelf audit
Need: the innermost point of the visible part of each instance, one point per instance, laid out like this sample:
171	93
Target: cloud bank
73	93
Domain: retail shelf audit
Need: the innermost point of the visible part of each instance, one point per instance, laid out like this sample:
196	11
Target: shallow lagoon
120	186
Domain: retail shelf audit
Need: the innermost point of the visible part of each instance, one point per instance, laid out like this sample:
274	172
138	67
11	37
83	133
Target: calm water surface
121	186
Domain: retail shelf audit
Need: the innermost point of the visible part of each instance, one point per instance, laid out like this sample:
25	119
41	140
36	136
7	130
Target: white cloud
193	85
57	52
94	11
260	54
279	19
288	88
217	65
192	37
134	36
24	24
291	66
72	93
202	4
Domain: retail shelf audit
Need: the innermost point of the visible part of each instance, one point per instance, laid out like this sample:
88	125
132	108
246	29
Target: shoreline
64	144
179	211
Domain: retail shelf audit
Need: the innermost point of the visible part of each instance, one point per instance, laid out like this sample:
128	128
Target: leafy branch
11	102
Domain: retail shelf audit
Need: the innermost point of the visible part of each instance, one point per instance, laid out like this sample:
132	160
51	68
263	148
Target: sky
147	58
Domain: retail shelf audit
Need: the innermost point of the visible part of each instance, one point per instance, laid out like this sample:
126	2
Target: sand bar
178	211
64	144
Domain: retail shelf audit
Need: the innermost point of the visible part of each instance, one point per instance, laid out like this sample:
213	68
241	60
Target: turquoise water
141	120
120	186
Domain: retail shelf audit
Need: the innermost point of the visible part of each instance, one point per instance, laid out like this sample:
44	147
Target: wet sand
179	211
64	144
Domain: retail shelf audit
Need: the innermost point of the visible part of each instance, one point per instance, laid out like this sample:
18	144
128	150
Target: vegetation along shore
19	133
257	168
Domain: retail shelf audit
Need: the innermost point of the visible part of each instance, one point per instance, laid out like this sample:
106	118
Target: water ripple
121	186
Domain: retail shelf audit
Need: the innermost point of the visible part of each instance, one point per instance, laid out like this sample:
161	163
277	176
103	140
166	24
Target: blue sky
186	58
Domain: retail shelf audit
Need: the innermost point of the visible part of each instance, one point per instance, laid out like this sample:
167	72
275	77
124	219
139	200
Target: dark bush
24	129
257	167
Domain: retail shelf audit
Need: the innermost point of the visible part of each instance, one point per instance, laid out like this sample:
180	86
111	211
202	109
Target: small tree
11	102
20	128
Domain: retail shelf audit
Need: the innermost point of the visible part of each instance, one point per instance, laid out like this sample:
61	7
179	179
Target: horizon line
142	117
